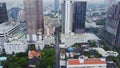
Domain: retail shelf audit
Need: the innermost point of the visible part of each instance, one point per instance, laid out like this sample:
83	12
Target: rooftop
33	54
6	27
86	61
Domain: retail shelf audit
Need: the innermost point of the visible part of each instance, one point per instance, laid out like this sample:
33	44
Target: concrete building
49	27
56	6
3	13
8	29
79	16
34	17
86	63
16	45
111	30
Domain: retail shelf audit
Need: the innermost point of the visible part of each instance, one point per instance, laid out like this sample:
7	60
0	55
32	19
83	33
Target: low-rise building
33	53
34	58
106	53
48	40
112	53
86	63
17	43
7	29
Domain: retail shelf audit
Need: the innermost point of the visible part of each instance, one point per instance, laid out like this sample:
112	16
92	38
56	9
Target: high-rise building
34	17
67	11
73	16
111	31
3	13
56	6
79	16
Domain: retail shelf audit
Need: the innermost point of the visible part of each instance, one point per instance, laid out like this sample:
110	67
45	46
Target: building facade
111	30
34	17
15	46
73	16
79	16
49	27
3	13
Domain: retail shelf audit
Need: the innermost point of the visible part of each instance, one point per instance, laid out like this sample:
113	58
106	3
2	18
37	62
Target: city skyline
48	1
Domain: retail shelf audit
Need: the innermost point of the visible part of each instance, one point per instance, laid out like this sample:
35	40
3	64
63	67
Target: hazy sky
93	1
18	3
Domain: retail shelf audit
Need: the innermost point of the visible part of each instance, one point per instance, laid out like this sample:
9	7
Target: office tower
56	6
3	13
111	31
67	15
34	17
79	16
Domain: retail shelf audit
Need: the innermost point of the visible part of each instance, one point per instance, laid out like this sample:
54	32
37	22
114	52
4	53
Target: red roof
86	61
33	54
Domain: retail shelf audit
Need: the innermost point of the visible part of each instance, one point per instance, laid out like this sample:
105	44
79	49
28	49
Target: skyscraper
56	6
73	16
67	14
111	31
34	17
79	16
3	13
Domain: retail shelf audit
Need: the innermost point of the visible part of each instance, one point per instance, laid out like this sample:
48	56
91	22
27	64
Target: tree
3	53
20	60
92	44
47	58
32	47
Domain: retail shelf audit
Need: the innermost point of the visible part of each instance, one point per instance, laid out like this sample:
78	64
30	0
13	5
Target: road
57	49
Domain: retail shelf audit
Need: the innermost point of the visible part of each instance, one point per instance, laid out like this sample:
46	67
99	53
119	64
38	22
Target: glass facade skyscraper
3	13
79	16
111	31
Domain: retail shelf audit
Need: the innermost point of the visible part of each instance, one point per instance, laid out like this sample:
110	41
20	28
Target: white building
16	45
86	63
40	44
6	30
112	53
48	40
68	16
